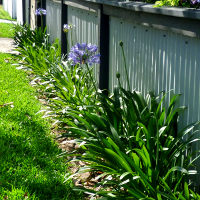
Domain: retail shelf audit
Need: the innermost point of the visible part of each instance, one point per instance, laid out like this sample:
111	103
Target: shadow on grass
29	158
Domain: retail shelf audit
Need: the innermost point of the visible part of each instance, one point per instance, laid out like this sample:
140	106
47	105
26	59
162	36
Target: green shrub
54	77
24	36
36	53
39	59
72	87
134	142
166	3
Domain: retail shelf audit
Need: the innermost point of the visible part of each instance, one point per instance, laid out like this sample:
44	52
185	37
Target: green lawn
4	14
6	30
29	164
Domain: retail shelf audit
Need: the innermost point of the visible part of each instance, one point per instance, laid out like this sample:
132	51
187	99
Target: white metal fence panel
19	12
86	28
14	9
10	7
53	19
5	5
27	10
157	60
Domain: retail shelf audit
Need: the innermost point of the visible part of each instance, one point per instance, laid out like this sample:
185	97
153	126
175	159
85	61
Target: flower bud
118	75
121	43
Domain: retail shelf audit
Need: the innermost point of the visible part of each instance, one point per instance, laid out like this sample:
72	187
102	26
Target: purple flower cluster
67	27
40	11
194	2
84	54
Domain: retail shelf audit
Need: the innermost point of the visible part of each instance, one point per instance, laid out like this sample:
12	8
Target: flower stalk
66	29
125	66
85	54
41	12
91	78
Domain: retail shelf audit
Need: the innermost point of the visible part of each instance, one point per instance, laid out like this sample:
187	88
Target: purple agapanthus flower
84	54
40	11
67	27
194	2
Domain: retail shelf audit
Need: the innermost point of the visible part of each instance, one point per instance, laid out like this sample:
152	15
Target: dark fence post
29	12
64	20
44	16
104	51
24	12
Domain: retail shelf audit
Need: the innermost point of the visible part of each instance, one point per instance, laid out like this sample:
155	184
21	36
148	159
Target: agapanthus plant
85	54
41	12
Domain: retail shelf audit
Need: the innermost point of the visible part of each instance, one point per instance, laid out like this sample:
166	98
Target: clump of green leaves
36	52
166	3
66	86
39	59
24	35
135	144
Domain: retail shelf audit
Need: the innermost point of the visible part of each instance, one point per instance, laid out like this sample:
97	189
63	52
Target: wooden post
32	14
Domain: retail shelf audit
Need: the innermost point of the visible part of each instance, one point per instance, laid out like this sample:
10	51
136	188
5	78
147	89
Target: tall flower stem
124	58
42	22
72	43
91	78
67	42
78	94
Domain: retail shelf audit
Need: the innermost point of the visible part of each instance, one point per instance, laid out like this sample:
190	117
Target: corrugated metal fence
157	61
